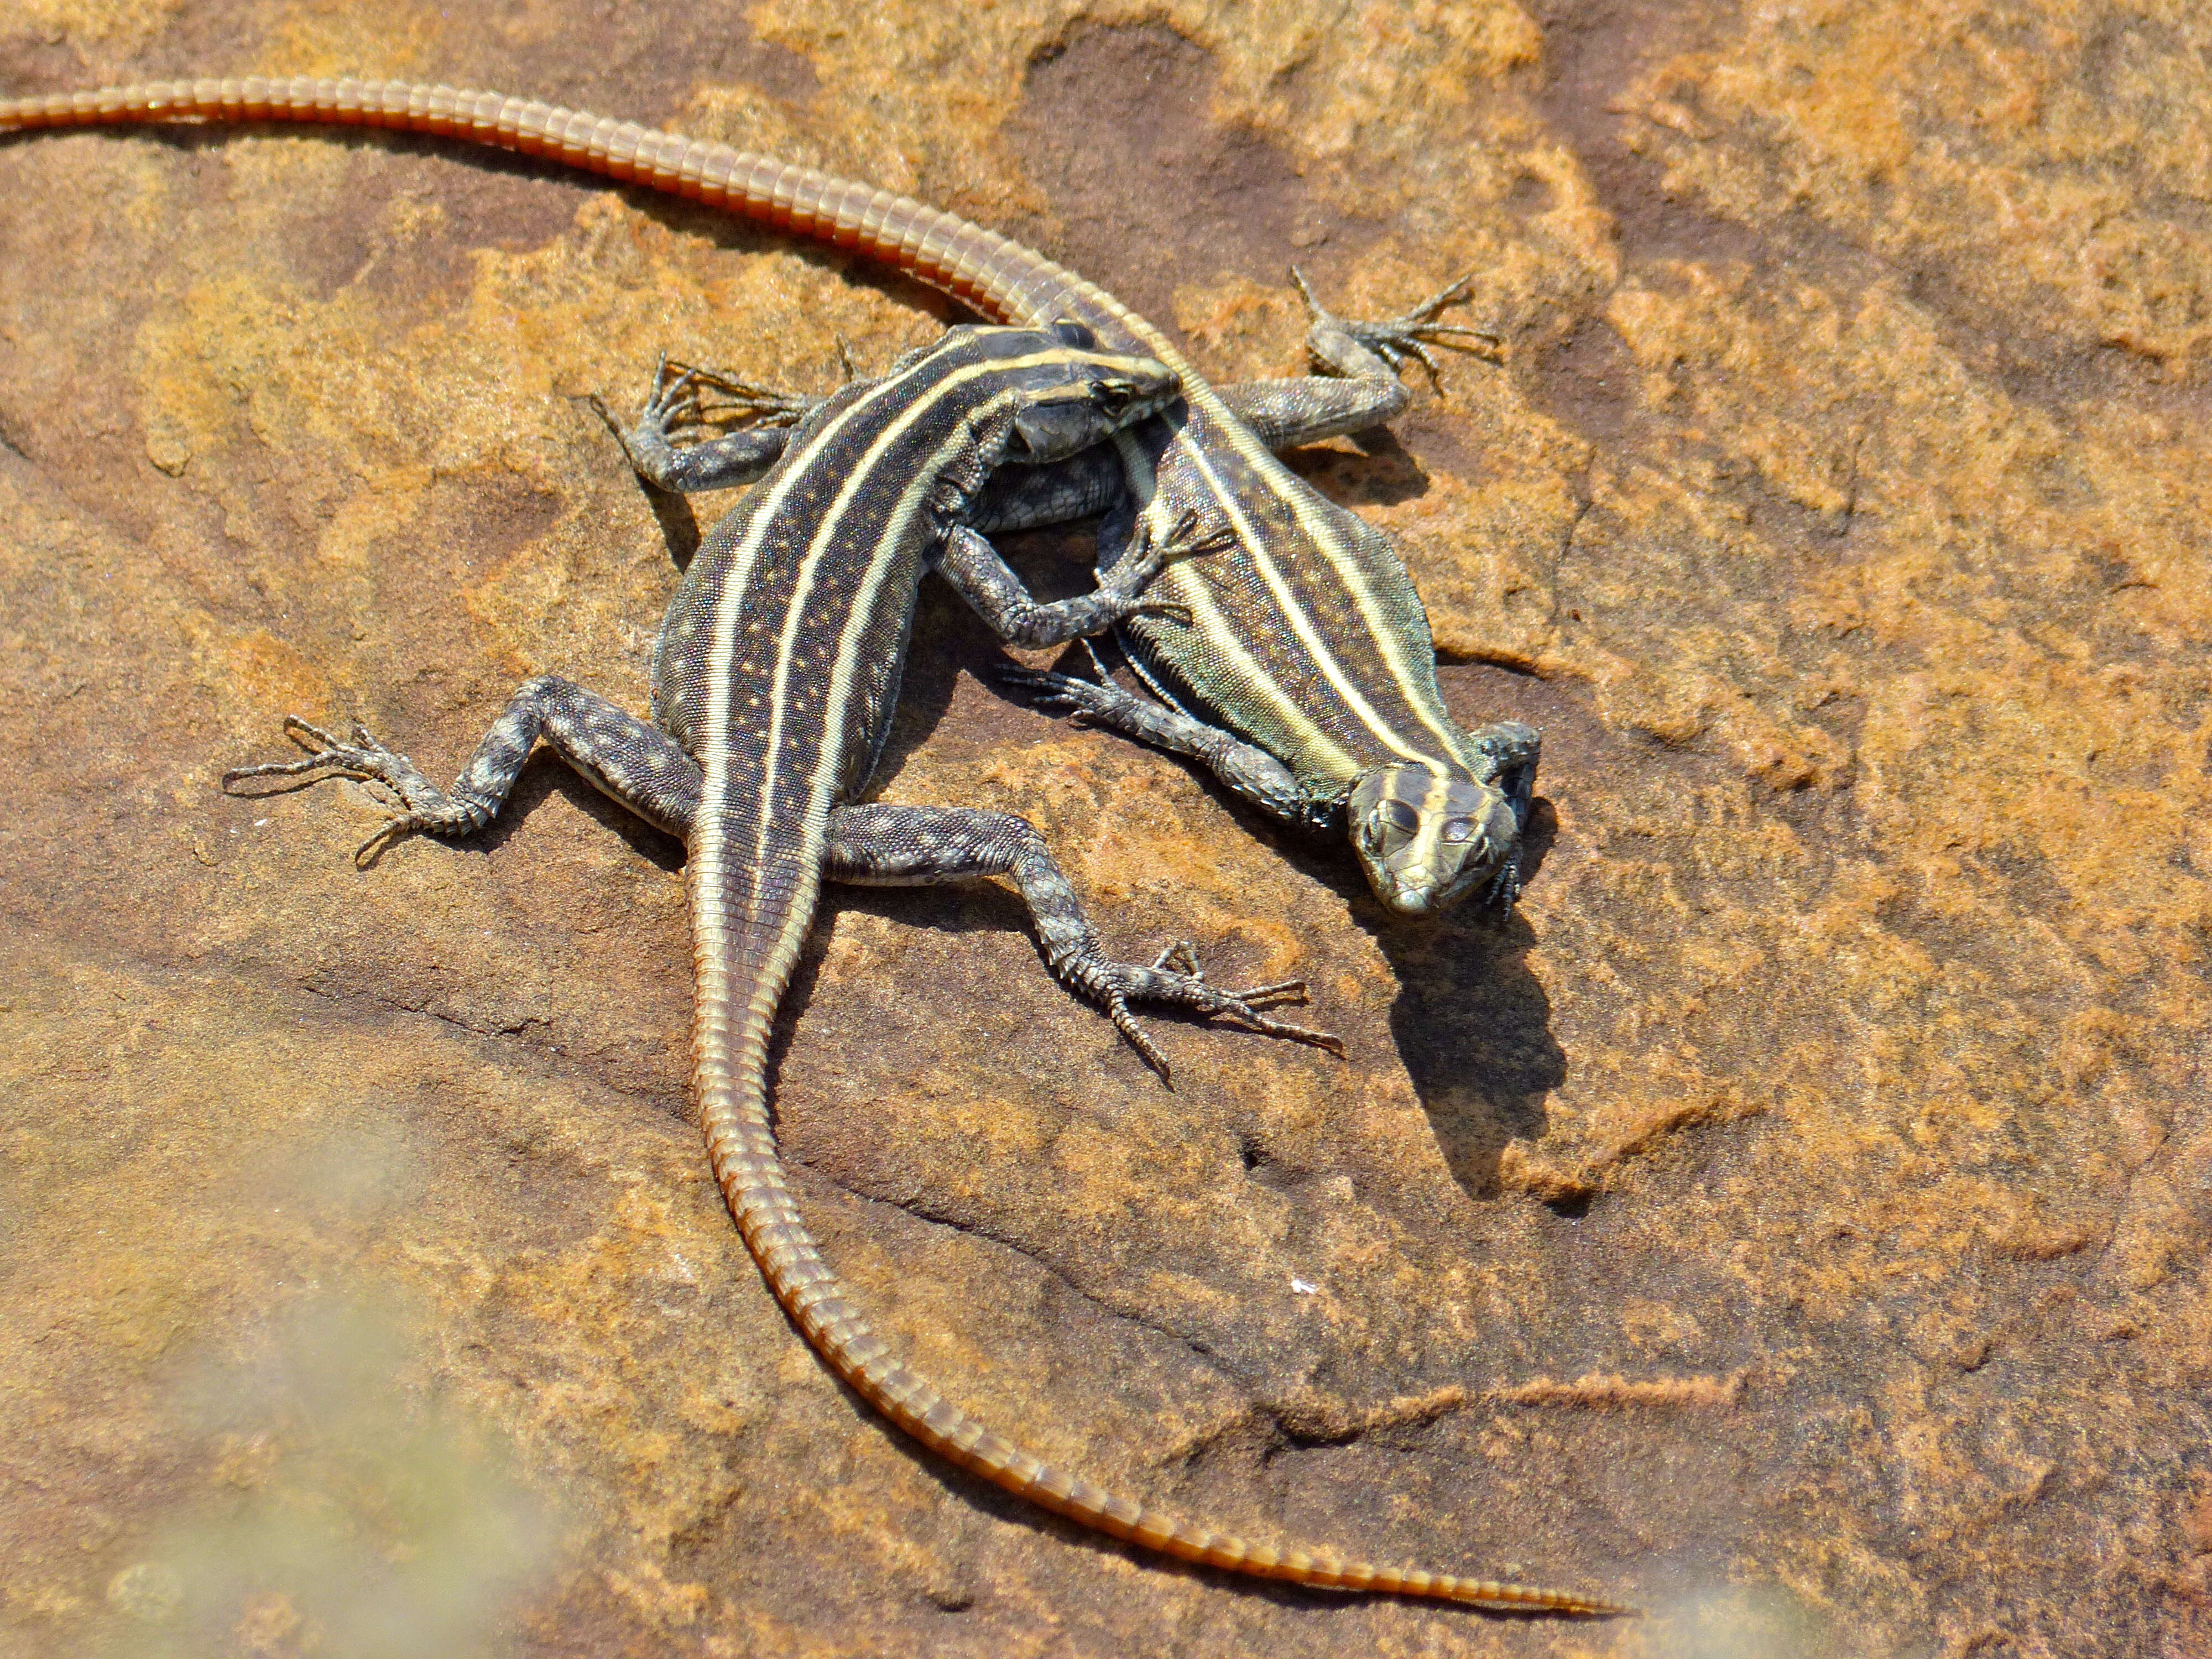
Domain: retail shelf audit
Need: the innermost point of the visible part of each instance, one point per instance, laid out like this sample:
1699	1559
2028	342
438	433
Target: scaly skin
741	978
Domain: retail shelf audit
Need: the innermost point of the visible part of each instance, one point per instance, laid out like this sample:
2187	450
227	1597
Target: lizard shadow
1471	1023
1473	1026
1376	471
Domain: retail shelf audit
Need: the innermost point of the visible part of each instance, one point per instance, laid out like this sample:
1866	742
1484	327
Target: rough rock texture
1794	1220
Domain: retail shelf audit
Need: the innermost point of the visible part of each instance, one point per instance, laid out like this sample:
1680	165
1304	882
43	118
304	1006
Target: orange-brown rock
1794	1221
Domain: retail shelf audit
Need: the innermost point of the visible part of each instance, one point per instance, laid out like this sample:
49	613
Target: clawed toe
325	752
1053	690
363	758
1117	1010
674	402
1179	958
1175	981
1148	555
1402	339
1327	1041
1292	991
405	823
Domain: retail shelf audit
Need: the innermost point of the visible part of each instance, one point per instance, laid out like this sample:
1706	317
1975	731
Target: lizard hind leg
878	845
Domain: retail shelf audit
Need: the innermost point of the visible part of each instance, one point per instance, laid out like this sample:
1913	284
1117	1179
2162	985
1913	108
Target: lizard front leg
630	761
1245	769
973	566
878	845
1511	752
721	463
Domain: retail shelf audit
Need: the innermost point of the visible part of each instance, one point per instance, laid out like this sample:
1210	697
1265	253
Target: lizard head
1427	838
1074	393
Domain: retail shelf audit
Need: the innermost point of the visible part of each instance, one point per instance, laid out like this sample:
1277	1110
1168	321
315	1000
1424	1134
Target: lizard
774	676
1300	670
689	772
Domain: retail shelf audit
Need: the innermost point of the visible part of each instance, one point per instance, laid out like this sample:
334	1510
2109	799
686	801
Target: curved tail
1003	280
991	273
744	951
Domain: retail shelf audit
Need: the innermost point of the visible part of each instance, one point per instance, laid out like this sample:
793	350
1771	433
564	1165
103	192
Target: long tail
1003	280
742	953
993	274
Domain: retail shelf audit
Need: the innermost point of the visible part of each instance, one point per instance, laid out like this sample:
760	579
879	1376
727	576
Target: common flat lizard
1300	670
775	674
774	678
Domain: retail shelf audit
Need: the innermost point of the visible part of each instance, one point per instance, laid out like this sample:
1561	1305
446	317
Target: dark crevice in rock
1572	1205
531	1035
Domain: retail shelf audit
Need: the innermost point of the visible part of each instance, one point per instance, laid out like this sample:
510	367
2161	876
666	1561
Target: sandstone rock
1794	1219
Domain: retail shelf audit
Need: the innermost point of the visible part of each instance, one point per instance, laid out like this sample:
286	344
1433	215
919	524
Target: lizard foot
428	807
675	404
1085	701
1174	980
1400	340
1145	557
1504	890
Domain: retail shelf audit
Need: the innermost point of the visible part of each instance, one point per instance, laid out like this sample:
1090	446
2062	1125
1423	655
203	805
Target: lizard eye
1399	816
1113	397
1460	829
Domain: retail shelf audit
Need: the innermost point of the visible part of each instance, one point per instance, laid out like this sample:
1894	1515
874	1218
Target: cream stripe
1306	504
1302	505
799	917
796	620
729	600
1208	619
856	630
709	848
710	883
1301	624
1429	848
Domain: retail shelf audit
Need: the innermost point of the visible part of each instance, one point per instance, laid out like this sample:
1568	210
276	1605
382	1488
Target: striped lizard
774	677
776	674
1299	668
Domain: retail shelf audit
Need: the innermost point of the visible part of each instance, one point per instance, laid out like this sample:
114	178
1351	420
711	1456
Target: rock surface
1794	1221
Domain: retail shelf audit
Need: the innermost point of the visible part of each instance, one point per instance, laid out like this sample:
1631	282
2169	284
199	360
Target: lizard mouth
1416	893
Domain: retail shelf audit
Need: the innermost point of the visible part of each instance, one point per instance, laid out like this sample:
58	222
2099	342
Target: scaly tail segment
743	1152
740	983
995	274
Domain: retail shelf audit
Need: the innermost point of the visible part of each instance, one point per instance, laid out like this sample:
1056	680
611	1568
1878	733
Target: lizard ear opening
1073	333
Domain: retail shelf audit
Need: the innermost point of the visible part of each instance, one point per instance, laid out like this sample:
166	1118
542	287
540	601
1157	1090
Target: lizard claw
427	807
673	406
1402	339
1063	692
1147	554
1174	980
